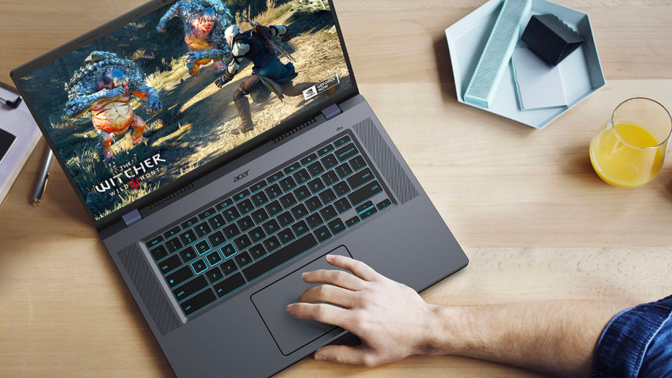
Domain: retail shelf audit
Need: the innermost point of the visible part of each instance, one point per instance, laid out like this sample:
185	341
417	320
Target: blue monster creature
204	24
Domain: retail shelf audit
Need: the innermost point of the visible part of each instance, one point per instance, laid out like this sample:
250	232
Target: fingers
322	313
347	355
334	277
362	270
329	294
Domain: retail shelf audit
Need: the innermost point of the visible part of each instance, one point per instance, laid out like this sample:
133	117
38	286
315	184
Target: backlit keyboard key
302	176
225	204
217	221
286	236
173	245
260	216
341	188
300	228
288	200
314	220
342	141
308	159
202	229
285	219
241	196
287	184
280	257
302	193
198	302
316	169
228	251
327	196
189	223
259	199
336	226
316	185
172	232
231	214
313	204
154	242
271	227
271	244
329	161
214	258
328	213
273	208
231	231
299	211
325	150
257	251
273	191
202	247
216	239
360	178
179	276
199	266
352	221
292	168
245	206
214	275
357	163
275	177
367	191
242	242
346	152
258	186
188	237
384	204
229	285
330	178
228	267
243	259
206	214
245	224
159	253
190	288
257	234
322	234
344	170
342	205
188	254
168	265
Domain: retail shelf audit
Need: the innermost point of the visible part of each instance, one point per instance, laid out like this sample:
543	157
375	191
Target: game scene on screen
168	93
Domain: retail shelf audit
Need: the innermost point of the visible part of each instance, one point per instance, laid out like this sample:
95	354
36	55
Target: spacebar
280	257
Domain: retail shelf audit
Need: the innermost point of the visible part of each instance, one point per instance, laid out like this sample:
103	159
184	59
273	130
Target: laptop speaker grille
149	289
388	164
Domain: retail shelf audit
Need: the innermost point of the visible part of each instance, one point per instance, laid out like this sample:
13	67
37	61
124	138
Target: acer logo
241	176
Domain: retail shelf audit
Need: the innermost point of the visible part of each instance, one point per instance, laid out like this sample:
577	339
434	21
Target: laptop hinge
331	111
132	218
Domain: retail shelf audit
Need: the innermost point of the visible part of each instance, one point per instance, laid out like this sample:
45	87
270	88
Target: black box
550	38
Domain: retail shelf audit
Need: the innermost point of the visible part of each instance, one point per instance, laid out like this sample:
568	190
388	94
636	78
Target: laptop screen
136	109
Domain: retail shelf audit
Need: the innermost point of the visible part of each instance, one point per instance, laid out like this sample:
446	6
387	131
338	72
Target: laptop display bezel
197	173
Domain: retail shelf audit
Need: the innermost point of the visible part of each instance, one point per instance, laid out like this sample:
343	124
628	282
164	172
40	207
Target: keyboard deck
208	256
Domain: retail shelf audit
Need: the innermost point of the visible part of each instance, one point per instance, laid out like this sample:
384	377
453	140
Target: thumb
347	355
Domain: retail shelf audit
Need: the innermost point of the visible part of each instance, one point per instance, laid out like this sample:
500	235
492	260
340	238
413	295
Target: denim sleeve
637	342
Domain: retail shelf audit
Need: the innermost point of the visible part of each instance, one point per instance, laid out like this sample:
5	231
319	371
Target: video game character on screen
204	24
104	86
269	74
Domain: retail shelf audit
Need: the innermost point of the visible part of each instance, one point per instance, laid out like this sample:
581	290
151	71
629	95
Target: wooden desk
525	204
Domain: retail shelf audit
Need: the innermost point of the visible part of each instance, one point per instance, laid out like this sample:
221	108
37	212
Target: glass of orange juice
630	149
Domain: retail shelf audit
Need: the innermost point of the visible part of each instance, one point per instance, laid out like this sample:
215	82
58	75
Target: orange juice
628	164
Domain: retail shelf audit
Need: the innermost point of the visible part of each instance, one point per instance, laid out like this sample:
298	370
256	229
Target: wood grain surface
526	206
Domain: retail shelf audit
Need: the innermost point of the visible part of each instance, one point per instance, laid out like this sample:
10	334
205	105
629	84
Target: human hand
221	82
161	28
391	319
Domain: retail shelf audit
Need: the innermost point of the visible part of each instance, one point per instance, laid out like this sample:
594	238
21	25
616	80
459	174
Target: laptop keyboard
206	257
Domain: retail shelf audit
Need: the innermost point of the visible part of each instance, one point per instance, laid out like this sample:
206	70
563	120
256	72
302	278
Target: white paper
20	123
539	85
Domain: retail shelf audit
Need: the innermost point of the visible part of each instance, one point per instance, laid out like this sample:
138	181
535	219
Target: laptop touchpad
288	332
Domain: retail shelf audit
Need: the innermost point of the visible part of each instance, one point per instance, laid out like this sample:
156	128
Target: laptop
220	151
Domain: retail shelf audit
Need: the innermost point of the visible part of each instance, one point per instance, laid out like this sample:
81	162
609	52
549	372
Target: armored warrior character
269	74
204	24
104	86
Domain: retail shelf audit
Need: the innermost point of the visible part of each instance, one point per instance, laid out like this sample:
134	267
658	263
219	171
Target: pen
43	180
